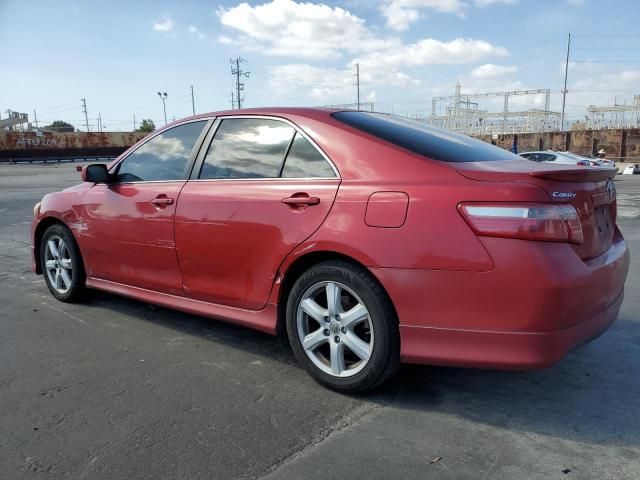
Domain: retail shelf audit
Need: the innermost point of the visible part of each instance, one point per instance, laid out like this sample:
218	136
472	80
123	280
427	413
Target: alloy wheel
58	264
335	329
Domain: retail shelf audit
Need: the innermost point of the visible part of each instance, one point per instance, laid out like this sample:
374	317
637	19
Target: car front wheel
61	264
342	327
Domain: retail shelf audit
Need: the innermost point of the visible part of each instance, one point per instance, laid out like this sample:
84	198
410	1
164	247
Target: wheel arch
42	226
301	264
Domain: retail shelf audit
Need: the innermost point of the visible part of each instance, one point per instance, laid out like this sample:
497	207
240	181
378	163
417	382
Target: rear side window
164	157
305	161
247	148
424	139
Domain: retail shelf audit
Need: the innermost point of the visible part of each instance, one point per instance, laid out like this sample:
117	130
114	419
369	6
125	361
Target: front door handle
300	200
162	201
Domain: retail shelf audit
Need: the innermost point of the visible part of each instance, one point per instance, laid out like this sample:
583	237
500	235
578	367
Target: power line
263	71
606	61
606	48
609	35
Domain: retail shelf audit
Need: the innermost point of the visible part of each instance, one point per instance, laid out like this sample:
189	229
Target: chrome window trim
153	135
218	121
255	179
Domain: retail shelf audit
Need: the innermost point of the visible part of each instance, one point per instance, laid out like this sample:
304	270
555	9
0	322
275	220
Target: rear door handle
162	201
300	200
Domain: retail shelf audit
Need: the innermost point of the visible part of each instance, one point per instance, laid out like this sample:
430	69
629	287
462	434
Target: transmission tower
238	72
84	110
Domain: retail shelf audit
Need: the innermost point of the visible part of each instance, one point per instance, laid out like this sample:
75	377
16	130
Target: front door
247	209
128	224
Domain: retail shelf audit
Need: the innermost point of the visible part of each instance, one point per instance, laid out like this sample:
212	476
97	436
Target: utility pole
35	117
358	85
99	122
564	91
193	102
84	110
238	72
163	97
134	122
233	100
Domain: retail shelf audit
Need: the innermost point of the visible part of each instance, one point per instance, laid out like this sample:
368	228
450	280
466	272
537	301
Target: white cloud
289	28
322	84
194	31
430	51
486	3
381	68
489	70
318	31
401	13
166	24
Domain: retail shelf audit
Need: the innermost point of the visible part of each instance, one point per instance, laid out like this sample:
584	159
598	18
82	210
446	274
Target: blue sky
118	54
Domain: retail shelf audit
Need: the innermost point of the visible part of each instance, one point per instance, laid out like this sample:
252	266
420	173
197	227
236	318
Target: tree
146	125
60	126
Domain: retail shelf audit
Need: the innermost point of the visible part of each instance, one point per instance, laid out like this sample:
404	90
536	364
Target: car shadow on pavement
230	335
590	396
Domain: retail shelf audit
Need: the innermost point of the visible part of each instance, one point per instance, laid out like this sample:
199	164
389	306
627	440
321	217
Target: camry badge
563	195
611	189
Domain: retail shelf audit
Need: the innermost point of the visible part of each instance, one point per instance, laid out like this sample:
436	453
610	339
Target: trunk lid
590	190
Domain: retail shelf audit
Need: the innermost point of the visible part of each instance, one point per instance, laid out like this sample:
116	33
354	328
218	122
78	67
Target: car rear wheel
61	264
342	327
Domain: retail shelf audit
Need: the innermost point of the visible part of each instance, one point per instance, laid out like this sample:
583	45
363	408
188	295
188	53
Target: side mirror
96	173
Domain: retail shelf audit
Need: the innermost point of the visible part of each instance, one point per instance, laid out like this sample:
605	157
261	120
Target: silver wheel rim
335	329
57	263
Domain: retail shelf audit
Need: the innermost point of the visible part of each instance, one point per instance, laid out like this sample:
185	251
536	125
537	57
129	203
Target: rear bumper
500	350
539	302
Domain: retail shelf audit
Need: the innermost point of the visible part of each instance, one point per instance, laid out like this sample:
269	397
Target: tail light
527	221
584	163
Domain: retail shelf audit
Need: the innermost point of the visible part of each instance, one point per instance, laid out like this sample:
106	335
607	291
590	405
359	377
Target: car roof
308	112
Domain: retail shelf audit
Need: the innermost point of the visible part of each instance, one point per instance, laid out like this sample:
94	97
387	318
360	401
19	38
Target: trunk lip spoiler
577	175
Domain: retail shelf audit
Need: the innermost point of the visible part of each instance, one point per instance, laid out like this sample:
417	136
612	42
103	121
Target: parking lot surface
119	389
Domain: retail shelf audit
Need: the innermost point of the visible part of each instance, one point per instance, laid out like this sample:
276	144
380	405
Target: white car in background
595	162
557	157
632	169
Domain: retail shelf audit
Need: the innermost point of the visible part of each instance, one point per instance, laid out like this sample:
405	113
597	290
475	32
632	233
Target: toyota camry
367	239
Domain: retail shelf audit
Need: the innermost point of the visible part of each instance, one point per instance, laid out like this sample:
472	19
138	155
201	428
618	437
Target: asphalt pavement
119	389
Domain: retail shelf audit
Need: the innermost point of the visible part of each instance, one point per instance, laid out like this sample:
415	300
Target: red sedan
369	239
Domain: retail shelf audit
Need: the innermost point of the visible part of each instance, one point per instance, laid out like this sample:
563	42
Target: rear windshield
424	139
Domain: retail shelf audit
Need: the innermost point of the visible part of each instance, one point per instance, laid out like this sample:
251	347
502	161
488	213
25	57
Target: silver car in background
595	162
558	157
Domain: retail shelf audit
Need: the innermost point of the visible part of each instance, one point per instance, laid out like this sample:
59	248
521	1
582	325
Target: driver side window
164	157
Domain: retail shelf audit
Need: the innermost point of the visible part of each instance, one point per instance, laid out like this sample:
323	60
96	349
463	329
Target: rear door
128	231
245	208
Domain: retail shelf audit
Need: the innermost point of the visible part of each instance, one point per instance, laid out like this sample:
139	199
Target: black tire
384	359
76	290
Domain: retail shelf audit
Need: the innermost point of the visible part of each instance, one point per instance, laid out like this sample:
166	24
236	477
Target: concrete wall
622	145
52	144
